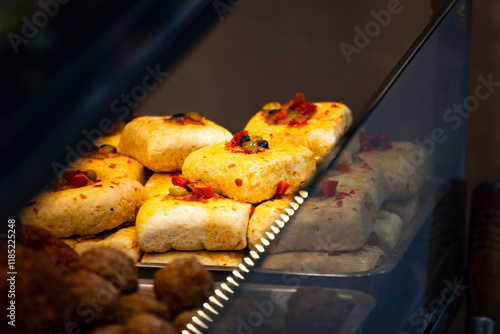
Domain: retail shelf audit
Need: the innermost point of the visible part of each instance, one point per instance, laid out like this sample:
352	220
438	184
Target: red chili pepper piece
76	178
373	239
238	181
202	189
282	187
282	114
343	167
309	107
328	188
179	181
298	100
300	105
235	141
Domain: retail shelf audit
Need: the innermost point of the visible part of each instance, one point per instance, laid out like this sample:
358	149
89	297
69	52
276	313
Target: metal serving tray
424	213
428	202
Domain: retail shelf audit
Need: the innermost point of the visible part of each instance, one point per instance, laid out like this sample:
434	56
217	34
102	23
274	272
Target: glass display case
417	286
398	173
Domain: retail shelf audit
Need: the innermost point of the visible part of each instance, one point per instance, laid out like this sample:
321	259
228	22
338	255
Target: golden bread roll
85	210
213	224
158	184
123	239
319	131
251	178
112	166
264	216
161	143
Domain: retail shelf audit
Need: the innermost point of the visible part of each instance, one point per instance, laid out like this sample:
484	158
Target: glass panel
403	169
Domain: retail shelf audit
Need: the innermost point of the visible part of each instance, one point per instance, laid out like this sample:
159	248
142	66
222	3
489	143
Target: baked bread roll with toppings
361	174
110	165
84	205
161	143
340	220
213	224
337	188
191	216
206	258
123	239
249	169
363	259
159	184
405	164
318	126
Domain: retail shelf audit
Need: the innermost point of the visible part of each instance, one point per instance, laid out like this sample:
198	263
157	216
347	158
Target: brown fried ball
113	265
51	247
147	323
185	317
143	301
315	310
97	300
42	298
183	284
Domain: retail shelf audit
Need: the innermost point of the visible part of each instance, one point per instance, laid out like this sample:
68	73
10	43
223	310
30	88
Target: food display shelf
421	221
